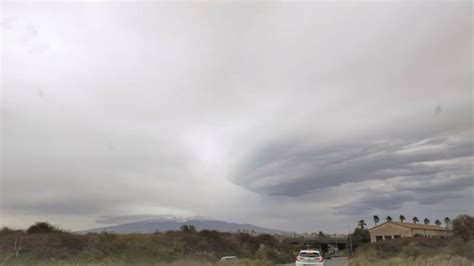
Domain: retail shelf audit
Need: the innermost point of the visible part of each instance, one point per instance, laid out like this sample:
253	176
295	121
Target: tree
426	221
359	237
361	224
321	234
447	221
463	227
415	219
376	219
388	218
402	218
188	228
438	222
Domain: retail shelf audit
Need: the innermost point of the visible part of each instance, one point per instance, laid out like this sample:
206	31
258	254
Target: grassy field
173	248
415	251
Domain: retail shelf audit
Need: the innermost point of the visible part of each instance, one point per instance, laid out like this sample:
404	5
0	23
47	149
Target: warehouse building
393	230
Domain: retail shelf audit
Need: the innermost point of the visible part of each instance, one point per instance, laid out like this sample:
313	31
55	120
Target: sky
288	115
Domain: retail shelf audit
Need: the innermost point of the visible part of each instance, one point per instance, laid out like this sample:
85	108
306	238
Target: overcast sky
295	116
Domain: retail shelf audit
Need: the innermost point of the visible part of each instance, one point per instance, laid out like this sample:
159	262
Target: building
393	230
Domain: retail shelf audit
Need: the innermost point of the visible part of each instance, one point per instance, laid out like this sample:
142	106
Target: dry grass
441	260
415	252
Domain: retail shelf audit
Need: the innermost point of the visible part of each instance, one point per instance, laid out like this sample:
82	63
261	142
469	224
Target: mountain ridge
163	224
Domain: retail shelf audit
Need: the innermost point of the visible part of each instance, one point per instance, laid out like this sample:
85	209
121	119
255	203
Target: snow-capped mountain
165	223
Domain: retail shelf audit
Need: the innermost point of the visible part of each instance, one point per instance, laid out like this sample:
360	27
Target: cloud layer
246	112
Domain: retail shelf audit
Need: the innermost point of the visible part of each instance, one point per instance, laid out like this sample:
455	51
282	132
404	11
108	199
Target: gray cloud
425	190
294	168
385	202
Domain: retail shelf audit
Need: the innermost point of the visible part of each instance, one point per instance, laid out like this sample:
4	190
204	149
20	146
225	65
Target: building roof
414	226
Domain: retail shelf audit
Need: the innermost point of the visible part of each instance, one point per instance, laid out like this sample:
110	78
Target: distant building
393	230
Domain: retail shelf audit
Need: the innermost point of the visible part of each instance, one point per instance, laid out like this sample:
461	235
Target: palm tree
361	224
388	218
426	221
438	222
415	219
447	221
376	219
402	218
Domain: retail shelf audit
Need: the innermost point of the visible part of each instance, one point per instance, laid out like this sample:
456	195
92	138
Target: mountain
168	223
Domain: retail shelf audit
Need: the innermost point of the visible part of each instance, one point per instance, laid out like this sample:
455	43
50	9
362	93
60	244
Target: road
340	261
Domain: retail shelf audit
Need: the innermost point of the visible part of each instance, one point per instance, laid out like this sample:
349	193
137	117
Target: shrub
360	236
42	227
463	227
463	248
267	240
413	250
6	230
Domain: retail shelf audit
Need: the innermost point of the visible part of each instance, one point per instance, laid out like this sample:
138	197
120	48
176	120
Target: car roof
228	257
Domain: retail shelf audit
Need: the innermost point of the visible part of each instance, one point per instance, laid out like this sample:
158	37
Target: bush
408	247
463	248
42	227
6	230
463	227
360	236
413	250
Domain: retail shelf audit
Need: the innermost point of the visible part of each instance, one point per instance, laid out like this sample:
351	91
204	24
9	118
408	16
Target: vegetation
405	251
463	227
359	237
439	260
6	230
402	218
42	227
44	243
447	221
188	228
322	235
376	219
361	224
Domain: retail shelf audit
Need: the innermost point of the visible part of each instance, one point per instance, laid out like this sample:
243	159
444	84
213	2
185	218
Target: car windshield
309	254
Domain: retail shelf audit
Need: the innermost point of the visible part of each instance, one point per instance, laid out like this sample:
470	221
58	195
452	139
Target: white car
228	259
309	258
